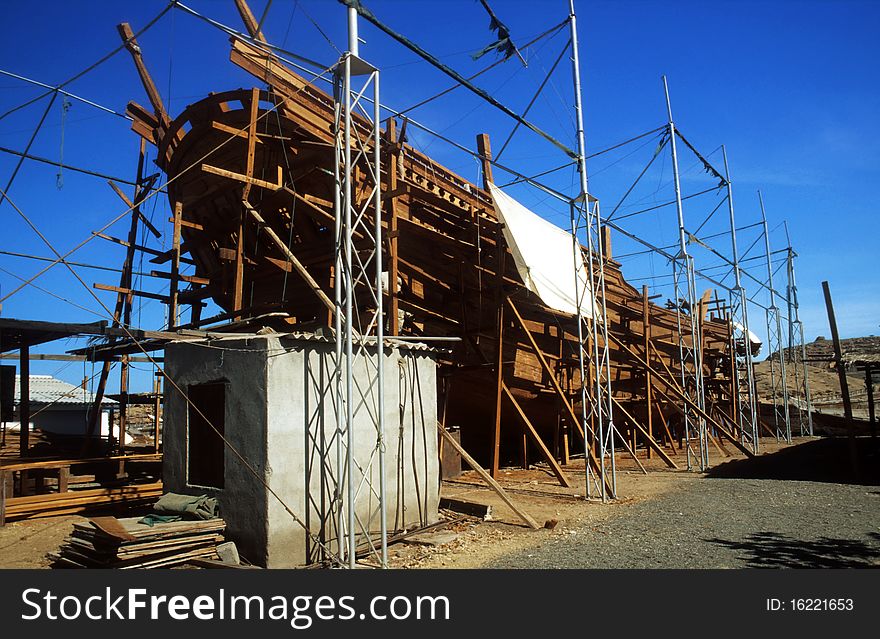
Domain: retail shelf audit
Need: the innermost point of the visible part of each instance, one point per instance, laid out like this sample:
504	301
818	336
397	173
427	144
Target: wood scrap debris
158	546
467	507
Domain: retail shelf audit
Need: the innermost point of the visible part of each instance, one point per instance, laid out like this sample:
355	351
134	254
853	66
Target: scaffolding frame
359	337
743	366
585	220
685	295
775	342
796	353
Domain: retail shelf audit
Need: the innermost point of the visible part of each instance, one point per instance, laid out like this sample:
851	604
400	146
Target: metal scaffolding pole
585	218
359	346
744	383
778	379
683	269
797	350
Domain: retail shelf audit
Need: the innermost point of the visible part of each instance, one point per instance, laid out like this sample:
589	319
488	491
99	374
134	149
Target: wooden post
499	383
127	281
24	400
134	49
195	317
123	405
3	498
238	284
542	447
566	380
175	266
252	141
606	241
649	398
566	452
869	374
734	373
157	407
445	386
484	148
124	296
63	479
593	447
394	262
841	375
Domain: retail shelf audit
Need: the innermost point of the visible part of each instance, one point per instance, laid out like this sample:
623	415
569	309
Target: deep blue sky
791	89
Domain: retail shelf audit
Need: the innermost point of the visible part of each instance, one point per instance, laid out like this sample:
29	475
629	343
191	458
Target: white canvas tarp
754	339
546	257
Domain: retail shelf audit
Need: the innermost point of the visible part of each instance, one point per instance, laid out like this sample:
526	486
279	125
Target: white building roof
45	389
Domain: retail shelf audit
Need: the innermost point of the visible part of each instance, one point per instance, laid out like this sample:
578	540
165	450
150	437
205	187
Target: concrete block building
271	398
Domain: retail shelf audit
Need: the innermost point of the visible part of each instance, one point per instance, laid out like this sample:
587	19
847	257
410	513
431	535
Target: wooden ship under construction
251	177
251	185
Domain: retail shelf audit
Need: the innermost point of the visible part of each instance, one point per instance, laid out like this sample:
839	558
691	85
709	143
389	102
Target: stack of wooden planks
107	542
76	501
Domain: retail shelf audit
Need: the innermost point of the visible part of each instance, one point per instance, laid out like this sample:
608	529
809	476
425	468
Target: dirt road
726	523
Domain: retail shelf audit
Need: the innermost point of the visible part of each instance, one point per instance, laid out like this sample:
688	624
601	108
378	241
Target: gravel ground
725	523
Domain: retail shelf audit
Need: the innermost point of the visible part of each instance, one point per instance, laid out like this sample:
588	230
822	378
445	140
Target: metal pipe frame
796	352
683	267
778	380
739	312
586	218
359	343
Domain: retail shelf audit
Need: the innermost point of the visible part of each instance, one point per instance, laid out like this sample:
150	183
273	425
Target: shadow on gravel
823	460
772	550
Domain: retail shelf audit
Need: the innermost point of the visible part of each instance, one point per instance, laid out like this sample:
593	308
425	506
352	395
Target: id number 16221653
810	604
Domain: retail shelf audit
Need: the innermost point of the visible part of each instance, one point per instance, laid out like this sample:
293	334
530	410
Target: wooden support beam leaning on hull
536	438
558	389
134	49
297	265
488	479
676	390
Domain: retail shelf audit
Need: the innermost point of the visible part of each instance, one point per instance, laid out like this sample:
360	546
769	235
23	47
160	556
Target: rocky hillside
824	383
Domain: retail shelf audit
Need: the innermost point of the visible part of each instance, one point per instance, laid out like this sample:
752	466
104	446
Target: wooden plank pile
107	542
76	501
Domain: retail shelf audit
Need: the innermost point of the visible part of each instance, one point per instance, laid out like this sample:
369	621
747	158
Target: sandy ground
483	543
798	502
24	544
742	490
724	523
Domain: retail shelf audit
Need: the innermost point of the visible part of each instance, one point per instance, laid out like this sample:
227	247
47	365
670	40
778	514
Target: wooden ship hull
511	382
